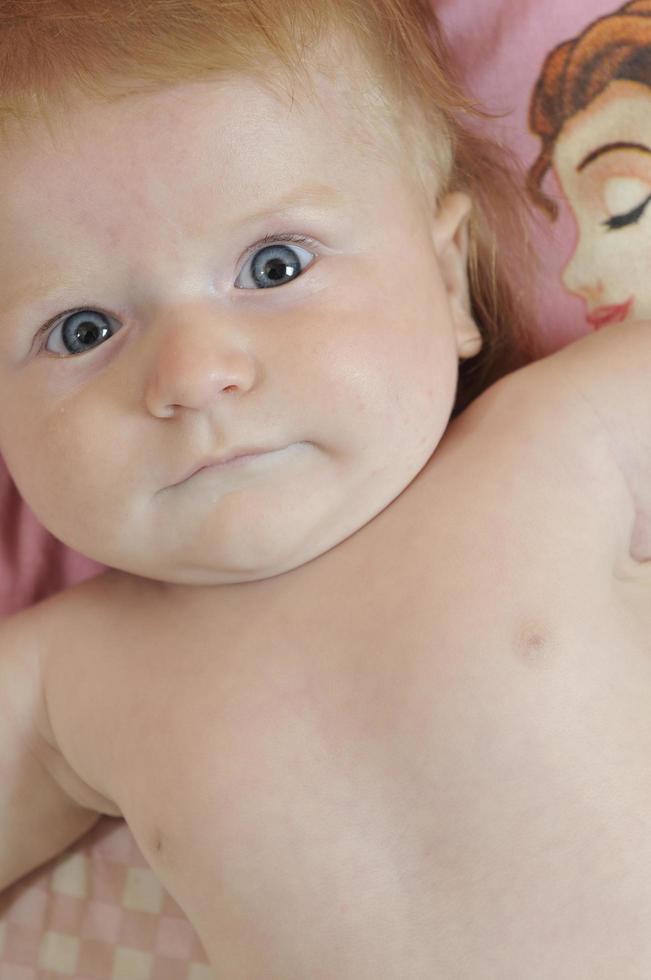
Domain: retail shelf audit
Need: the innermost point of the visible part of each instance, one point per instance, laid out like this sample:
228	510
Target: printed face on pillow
603	162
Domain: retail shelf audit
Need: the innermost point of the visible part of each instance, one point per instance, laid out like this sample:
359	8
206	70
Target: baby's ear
450	239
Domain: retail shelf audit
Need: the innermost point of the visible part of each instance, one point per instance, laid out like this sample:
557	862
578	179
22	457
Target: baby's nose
195	361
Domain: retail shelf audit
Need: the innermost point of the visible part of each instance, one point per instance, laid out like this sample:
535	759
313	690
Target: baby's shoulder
537	411
545	447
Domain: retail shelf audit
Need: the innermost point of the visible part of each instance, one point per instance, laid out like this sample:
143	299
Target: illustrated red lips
609	314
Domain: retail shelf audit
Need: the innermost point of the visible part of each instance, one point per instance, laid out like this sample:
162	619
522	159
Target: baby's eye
630	218
80	331
275	265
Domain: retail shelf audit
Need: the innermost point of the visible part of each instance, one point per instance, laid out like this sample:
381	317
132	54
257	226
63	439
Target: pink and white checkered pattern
97	912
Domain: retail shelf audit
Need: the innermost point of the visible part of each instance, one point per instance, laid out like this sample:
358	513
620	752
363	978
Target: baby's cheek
26	448
47	462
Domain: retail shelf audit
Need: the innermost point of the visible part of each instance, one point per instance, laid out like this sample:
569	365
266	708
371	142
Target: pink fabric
97	912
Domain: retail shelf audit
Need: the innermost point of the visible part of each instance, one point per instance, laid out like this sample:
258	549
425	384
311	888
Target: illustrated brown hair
53	50
617	46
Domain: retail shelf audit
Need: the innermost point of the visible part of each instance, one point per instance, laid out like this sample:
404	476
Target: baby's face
196	340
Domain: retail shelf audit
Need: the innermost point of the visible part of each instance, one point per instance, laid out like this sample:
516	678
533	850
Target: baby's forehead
332	83
185	167
230	126
223	137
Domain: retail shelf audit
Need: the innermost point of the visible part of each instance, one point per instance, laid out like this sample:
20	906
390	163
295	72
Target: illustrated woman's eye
78	332
630	218
275	265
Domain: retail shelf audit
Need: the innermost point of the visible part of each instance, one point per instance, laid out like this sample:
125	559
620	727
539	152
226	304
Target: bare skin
425	753
377	711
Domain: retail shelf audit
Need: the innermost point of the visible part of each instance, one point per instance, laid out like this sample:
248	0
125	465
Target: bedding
576	70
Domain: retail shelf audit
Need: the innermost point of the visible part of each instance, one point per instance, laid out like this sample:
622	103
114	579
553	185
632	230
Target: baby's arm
38	818
610	371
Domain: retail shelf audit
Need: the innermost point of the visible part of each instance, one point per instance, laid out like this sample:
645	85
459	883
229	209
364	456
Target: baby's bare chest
387	782
428	756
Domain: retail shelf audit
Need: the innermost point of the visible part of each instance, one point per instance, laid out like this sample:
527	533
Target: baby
369	672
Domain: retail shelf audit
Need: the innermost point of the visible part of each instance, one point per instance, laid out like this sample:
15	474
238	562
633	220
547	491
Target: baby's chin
209	531
208	574
204	566
237	558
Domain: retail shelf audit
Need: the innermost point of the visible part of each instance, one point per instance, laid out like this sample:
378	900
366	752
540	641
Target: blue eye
630	218
272	265
276	265
81	330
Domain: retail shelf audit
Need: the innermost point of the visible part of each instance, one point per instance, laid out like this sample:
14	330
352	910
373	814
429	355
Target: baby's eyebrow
311	195
608	148
308	195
